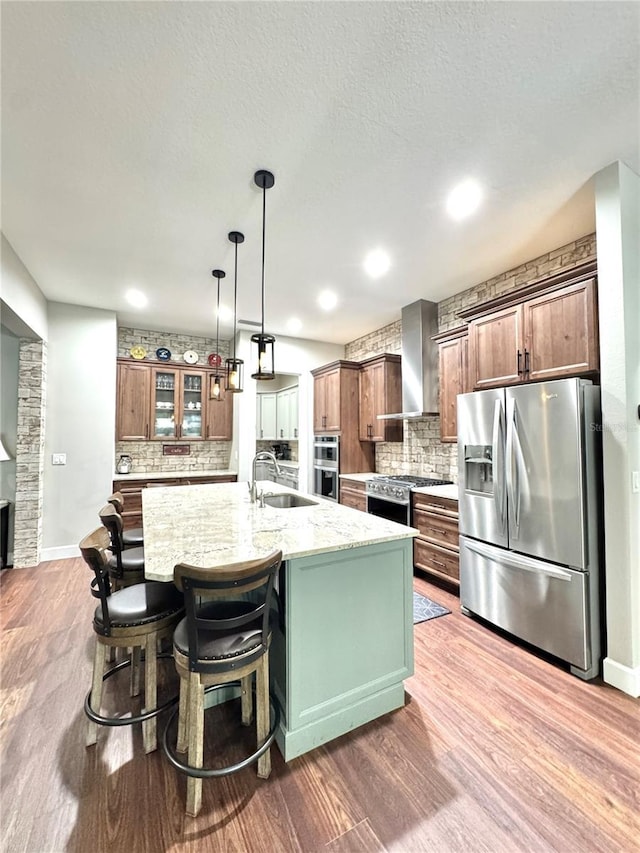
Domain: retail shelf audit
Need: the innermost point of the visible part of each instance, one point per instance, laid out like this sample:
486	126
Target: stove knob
398	492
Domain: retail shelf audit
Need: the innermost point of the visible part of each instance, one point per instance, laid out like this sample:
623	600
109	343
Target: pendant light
215	386
265	180
235	366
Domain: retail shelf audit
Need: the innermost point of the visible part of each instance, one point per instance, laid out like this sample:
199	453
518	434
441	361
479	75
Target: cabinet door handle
519	363
295	432
281	433
146	431
526	361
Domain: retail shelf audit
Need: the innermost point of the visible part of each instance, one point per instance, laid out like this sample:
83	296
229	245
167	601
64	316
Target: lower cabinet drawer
439	561
442	528
353	499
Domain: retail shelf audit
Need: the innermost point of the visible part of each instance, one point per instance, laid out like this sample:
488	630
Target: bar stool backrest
93	548
117	501
235	610
112	520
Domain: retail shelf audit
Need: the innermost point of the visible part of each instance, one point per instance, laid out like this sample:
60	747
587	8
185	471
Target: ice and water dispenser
478	464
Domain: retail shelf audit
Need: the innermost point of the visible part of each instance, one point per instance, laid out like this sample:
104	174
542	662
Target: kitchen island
346	585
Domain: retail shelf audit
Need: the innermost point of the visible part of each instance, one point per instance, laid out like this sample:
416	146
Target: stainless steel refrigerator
529	488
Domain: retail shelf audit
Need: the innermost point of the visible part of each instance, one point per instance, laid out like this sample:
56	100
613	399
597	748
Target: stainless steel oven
326	466
390	497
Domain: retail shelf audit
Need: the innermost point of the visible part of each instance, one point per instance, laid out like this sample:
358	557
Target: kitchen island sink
286	501
344	643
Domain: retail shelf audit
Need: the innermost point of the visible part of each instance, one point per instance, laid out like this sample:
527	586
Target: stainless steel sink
287	501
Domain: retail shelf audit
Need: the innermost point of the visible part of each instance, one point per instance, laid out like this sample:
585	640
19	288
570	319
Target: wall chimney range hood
419	361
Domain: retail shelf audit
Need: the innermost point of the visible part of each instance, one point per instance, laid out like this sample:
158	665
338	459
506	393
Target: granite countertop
212	525
360	478
173	475
450	491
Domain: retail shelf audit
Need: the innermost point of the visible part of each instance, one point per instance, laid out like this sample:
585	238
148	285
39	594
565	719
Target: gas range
398	488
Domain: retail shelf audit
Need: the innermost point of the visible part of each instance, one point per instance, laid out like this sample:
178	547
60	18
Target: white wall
294	356
9	358
21	294
80	421
618	245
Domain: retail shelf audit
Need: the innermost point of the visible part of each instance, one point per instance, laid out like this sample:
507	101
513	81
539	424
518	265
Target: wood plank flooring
497	749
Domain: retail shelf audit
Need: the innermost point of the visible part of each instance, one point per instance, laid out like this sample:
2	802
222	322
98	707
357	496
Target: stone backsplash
177	344
204	456
421	451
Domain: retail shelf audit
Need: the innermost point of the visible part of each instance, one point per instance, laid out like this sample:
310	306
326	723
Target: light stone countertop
450	491
212	525
360	478
173	475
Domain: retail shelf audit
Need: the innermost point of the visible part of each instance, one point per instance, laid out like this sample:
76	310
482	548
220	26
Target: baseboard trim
59	552
623	677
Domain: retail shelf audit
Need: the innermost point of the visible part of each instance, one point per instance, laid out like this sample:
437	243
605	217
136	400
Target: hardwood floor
497	749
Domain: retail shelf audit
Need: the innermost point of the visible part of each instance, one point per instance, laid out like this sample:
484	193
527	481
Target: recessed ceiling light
225	313
327	300
464	199
136	298
294	325
377	263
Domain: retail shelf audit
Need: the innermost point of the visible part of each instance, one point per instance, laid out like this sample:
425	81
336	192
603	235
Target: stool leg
247	700
96	689
149	728
183	716
135	671
262	714
196	742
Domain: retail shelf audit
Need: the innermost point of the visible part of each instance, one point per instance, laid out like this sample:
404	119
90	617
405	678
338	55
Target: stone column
32	375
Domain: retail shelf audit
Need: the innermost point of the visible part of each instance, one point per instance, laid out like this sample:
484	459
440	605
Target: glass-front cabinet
178	403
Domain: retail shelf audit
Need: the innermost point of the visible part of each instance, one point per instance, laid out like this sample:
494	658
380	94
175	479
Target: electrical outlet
635	481
58	458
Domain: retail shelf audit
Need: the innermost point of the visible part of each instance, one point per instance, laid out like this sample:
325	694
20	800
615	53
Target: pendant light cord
218	322
264	214
235	299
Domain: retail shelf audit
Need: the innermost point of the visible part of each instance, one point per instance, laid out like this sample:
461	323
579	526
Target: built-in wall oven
326	466
390	497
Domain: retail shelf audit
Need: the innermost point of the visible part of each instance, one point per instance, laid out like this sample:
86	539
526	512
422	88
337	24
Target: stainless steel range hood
419	361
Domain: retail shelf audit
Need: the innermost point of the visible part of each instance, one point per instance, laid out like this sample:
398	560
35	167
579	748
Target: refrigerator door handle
511	467
498	463
515	561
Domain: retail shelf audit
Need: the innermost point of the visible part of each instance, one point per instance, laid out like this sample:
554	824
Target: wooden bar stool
223	639
136	617
132	538
126	566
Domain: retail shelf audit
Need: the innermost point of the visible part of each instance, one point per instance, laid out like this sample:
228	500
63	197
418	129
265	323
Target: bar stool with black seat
126	566
133	537
224	638
136	617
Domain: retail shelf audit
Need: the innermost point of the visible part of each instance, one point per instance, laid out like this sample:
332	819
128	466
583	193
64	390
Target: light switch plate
58	458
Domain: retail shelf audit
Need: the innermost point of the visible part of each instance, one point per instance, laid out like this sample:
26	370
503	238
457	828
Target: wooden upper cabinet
561	336
219	415
546	330
454	377
168	401
497	348
133	402
380	394
327	398
335	397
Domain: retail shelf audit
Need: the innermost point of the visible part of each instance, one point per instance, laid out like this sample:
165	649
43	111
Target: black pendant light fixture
235	366
265	180
215	386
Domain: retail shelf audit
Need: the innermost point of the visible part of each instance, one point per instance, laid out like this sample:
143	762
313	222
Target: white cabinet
287	413
266	416
278	415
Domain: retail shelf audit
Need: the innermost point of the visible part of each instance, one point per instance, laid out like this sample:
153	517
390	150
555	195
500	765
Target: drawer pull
439	530
438	563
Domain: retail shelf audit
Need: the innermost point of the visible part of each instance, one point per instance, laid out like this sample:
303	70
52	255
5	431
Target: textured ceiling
131	132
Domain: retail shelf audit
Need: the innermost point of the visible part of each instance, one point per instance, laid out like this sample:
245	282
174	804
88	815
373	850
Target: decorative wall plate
191	356
214	359
138	352
163	354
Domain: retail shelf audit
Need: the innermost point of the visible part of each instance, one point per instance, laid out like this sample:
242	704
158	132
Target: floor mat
424	608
